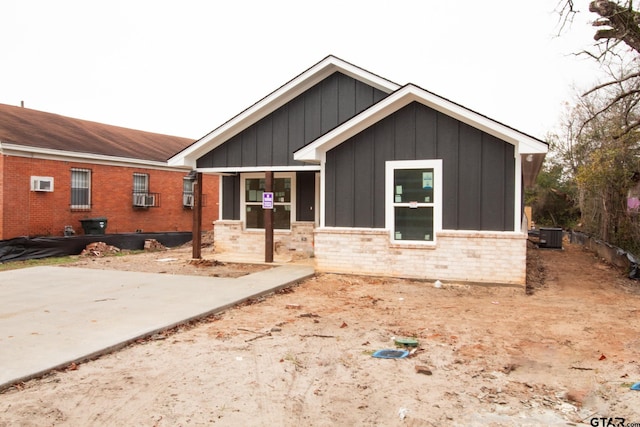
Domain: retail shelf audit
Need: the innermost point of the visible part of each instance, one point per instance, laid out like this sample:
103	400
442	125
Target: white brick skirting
462	256
489	257
229	237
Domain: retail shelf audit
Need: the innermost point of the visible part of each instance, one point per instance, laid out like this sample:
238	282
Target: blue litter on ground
390	354
636	386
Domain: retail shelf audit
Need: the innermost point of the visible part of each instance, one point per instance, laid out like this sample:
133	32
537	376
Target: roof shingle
38	129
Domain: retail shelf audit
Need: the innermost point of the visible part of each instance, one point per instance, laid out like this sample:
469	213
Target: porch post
197	217
268	220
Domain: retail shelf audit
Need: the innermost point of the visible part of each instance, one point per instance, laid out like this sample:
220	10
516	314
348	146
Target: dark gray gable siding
478	169
273	140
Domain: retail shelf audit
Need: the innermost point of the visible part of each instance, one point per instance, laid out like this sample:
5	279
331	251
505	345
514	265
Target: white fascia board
62	155
524	144
275	100
232	170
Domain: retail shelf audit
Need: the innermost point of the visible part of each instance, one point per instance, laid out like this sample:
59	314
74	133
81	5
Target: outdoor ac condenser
550	238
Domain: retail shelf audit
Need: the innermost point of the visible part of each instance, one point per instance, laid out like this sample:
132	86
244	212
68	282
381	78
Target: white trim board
275	100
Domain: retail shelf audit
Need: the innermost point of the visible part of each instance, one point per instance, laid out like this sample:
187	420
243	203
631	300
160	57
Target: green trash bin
94	225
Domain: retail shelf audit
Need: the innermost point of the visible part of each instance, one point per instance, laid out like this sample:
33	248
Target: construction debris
99	249
154	245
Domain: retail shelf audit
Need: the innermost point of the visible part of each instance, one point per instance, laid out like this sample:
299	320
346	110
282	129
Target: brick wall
30	213
458	255
229	237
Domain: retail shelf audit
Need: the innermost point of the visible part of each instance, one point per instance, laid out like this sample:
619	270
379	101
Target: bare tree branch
566	12
613	82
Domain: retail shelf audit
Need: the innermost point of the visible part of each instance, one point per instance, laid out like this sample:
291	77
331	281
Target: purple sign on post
267	200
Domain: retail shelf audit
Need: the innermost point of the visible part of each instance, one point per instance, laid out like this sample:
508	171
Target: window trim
292	202
89	175
390	167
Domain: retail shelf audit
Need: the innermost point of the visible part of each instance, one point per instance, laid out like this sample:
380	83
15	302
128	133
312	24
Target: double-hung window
414	200
251	198
80	189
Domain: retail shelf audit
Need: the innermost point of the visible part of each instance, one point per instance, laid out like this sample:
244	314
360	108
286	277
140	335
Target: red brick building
56	171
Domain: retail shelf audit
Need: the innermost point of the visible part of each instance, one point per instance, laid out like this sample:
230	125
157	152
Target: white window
413	200
252	213
80	188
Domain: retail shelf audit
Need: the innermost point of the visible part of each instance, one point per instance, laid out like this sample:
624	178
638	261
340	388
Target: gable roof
313	151
532	150
31	130
275	100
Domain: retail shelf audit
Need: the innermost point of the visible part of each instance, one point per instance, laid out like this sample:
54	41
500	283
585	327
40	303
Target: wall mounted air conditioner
144	200
42	183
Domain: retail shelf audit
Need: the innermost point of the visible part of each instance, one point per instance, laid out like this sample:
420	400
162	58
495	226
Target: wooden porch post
197	217
268	220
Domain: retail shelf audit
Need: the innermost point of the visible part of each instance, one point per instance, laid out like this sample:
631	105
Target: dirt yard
565	353
164	261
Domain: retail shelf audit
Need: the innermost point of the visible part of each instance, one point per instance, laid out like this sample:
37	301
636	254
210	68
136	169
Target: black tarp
24	248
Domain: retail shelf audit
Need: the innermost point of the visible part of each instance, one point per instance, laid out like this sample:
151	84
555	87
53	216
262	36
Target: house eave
235	170
531	166
275	100
63	155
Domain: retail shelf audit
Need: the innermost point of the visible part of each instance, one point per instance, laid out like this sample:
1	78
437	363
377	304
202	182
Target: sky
184	68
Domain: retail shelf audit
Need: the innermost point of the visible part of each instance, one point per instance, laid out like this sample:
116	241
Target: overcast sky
184	68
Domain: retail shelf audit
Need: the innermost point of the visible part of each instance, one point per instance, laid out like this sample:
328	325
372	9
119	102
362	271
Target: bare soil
164	261
564	352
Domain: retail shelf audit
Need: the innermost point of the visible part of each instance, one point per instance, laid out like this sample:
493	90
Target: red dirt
487	355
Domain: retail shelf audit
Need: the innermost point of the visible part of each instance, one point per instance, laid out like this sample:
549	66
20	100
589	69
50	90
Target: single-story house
57	171
375	178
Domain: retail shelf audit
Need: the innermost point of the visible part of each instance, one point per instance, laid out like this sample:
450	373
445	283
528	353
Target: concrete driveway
53	316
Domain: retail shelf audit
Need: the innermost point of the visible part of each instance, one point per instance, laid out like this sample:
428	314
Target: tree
601	160
599	142
617	23
553	198
617	26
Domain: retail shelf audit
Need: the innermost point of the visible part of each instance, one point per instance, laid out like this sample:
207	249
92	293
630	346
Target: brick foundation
230	237
488	257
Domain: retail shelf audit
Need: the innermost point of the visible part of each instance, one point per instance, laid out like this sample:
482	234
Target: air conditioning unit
187	200
42	183
144	200
550	238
